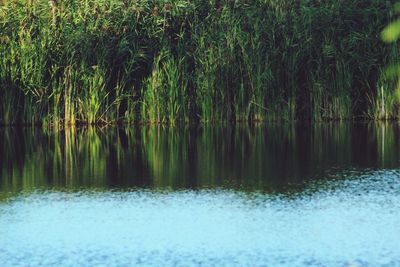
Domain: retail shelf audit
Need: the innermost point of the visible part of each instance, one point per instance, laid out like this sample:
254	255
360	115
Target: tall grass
123	61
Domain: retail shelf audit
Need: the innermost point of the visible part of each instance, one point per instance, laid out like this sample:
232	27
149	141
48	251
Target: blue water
350	220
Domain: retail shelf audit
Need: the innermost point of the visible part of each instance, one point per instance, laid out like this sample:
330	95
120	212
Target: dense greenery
390	34
102	61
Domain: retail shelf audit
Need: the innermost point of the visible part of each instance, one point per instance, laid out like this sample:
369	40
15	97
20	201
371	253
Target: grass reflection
261	157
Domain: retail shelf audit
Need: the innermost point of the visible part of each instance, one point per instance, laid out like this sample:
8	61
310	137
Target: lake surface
262	195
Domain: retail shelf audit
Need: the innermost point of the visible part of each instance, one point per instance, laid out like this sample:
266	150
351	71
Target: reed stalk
125	61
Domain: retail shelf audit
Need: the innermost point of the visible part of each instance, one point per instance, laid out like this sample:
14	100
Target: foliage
108	61
390	34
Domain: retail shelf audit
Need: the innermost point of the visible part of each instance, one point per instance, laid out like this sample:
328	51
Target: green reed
125	61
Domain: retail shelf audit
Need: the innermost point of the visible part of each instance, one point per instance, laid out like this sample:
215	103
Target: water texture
339	211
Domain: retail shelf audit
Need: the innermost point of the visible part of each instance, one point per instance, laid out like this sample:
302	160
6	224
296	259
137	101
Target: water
267	195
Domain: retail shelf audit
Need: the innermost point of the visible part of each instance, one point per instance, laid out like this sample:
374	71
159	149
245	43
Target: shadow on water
264	157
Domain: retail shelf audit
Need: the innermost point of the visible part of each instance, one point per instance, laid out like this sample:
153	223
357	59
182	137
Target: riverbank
105	62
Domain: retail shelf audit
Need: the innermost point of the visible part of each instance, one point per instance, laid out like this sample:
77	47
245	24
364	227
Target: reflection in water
267	195
266	157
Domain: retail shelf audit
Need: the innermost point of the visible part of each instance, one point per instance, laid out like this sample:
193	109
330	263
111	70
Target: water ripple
342	222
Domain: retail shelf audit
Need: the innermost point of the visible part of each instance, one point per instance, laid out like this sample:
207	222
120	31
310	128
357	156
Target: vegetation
108	61
390	34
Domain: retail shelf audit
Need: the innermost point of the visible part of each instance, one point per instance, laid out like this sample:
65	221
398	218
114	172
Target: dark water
267	195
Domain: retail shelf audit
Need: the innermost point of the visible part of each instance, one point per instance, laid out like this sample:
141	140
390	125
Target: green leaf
392	71
392	32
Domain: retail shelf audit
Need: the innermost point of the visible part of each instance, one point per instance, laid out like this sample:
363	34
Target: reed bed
126	61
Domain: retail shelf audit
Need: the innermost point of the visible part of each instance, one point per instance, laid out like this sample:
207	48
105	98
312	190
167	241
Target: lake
326	194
